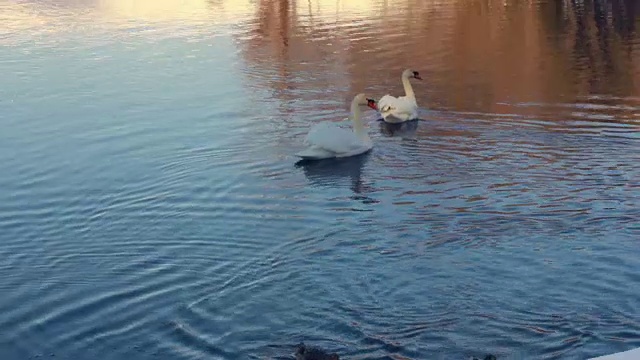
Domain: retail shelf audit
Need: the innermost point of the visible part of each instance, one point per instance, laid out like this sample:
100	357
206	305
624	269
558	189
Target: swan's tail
315	153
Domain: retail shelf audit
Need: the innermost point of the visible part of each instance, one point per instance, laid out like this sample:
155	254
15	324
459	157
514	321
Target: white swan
403	108
326	140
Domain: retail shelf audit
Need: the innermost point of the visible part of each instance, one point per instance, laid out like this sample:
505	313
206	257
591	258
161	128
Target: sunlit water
151	206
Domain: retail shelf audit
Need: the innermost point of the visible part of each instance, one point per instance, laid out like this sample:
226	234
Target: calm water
151	206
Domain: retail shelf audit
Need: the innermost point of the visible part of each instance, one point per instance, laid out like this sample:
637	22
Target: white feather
328	140
397	109
402	108
329	136
315	153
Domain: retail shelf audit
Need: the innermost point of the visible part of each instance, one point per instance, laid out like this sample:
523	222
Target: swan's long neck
408	89
358	126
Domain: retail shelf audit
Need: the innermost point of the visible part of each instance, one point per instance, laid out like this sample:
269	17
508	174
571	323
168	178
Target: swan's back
329	137
403	108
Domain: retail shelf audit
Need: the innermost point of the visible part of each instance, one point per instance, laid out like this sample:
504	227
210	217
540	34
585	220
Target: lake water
151	206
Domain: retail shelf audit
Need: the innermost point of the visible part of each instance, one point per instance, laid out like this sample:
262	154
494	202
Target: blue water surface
151	206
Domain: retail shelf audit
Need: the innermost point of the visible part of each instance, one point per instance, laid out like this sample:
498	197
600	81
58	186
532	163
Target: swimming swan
403	108
326	140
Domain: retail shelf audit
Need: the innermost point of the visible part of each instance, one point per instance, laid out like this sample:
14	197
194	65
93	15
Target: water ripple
151	206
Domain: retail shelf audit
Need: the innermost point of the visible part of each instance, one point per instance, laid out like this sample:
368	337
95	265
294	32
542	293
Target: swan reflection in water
404	130
333	172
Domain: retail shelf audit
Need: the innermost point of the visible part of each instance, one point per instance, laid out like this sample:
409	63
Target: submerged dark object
488	357
305	352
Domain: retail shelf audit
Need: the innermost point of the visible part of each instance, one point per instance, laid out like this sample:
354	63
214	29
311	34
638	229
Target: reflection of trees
473	54
598	40
274	26
274	19
284	53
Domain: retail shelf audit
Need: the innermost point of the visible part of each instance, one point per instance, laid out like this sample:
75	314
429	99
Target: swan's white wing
401	107
386	103
315	153
330	137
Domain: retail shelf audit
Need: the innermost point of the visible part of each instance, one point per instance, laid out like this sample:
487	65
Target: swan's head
411	74
362	100
372	104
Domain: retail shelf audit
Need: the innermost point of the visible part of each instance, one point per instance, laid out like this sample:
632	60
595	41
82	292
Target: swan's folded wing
330	137
402	107
387	103
315	153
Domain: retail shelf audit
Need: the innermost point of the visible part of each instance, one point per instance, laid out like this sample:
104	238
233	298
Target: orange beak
372	104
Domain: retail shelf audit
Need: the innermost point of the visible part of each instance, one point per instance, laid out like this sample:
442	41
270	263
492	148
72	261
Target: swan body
402	108
326	140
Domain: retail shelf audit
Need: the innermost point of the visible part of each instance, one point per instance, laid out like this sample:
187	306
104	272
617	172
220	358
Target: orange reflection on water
157	10
476	54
